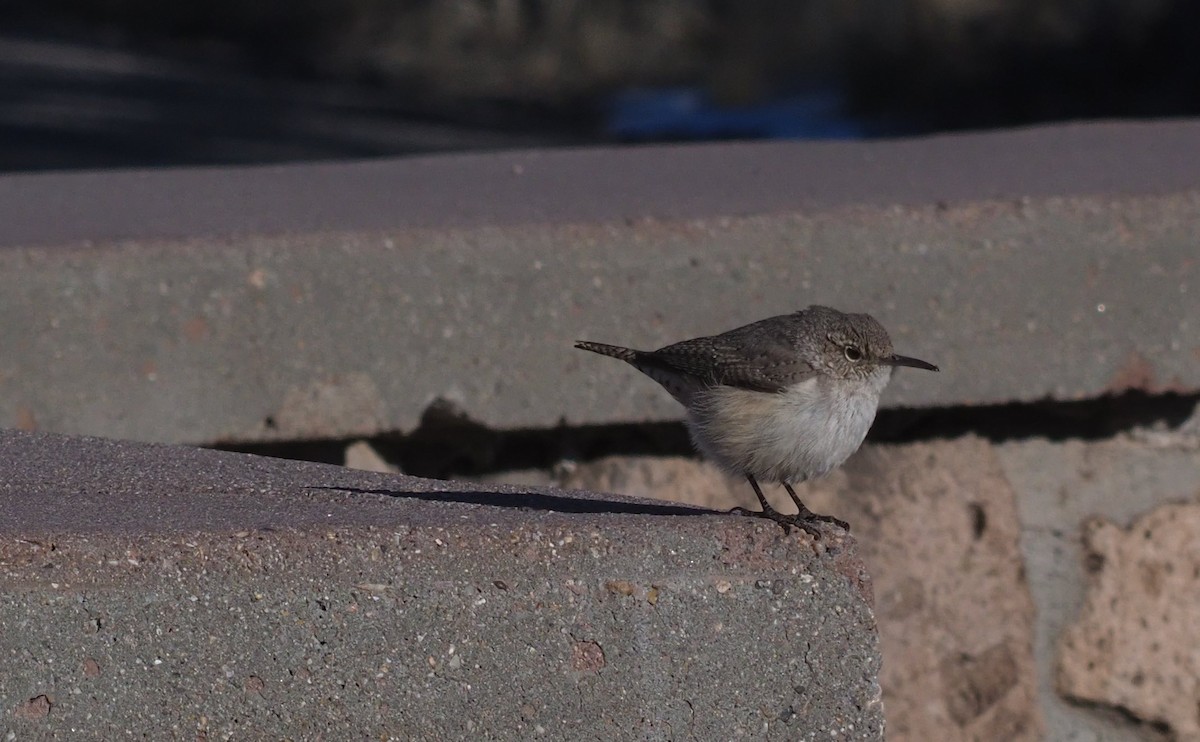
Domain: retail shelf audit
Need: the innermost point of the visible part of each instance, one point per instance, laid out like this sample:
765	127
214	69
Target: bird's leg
762	500
785	521
807	515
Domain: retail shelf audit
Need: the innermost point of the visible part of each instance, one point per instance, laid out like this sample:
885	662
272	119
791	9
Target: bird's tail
616	351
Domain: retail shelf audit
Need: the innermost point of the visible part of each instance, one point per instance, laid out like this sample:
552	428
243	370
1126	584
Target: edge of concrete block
600	184
265	596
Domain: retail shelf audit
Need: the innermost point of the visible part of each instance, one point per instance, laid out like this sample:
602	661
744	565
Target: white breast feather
788	436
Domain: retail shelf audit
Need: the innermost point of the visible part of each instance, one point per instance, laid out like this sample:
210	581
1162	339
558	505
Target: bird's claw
811	516
807	522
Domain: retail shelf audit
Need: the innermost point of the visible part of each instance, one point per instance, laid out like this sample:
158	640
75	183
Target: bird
781	400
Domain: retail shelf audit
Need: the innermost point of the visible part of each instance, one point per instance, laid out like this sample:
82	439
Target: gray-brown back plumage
765	356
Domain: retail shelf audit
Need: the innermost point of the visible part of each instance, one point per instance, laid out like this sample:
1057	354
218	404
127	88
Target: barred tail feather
616	351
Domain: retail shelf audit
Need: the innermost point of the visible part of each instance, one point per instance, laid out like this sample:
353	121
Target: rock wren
783	399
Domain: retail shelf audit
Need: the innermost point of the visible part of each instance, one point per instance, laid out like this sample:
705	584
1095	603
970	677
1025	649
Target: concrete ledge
167	592
1052	263
567	186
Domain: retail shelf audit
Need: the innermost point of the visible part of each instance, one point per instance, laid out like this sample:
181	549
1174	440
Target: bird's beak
895	360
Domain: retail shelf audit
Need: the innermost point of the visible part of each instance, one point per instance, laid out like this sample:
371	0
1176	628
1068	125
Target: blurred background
119	83
445	351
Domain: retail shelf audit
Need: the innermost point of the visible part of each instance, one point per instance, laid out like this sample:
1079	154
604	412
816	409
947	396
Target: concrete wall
339	301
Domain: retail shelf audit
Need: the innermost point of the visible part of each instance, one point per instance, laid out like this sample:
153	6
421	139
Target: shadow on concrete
532	501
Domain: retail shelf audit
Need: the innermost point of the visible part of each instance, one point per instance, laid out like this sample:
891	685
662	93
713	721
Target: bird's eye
853	354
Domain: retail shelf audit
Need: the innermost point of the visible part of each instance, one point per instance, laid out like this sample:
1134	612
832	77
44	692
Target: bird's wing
751	357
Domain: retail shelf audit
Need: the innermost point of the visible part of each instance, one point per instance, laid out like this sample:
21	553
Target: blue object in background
690	113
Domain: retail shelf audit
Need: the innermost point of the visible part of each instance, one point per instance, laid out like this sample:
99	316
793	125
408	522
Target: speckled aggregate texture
938	529
162	592
339	300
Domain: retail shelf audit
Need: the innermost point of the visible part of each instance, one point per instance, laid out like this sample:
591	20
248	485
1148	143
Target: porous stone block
1136	644
936	524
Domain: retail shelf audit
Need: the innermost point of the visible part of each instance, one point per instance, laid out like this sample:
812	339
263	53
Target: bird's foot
810	516
770	513
807	522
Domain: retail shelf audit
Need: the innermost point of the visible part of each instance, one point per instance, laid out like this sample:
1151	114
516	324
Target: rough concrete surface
1061	486
1135	644
342	300
166	592
938	529
916	549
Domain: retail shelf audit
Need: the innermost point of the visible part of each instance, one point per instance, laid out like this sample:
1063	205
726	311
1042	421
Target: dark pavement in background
78	105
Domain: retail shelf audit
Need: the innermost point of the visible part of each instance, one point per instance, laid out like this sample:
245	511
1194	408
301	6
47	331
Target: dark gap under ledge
449	445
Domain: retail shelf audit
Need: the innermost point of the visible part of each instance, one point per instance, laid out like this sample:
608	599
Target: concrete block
938	528
343	300
1059	487
167	592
